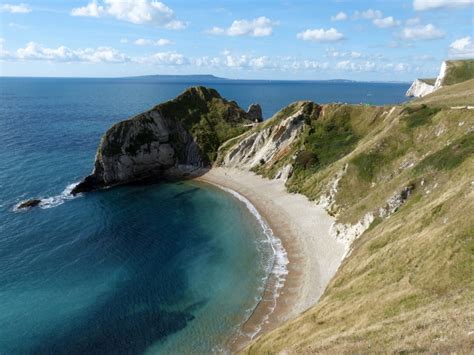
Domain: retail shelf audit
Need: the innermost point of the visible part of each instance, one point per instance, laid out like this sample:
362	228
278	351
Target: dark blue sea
169	268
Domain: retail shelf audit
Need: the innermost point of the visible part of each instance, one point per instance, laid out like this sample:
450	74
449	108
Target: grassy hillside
458	71
408	284
454	95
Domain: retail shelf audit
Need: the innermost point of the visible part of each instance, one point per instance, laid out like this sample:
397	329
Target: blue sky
333	39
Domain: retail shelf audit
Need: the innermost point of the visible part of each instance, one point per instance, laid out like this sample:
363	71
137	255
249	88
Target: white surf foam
277	276
55	201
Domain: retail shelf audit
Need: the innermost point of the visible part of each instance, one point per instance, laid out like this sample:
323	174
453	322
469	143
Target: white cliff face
440	79
264	145
419	89
328	199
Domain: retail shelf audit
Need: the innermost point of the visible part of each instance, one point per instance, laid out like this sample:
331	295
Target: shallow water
170	267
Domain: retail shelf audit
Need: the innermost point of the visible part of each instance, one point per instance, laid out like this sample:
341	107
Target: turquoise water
160	268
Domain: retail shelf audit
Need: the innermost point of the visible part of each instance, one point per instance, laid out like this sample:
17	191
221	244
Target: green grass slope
211	119
458	71
408	284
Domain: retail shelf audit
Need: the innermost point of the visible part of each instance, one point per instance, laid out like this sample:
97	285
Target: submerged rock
186	131
29	203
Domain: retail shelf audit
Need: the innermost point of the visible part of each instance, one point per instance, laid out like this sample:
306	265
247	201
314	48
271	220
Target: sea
170	268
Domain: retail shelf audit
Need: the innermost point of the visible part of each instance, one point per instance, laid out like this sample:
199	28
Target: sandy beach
303	228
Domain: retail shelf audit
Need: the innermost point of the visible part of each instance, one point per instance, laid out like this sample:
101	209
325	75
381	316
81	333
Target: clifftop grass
458	71
211	119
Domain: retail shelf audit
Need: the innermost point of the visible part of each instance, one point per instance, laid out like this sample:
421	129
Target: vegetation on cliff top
458	71
211	119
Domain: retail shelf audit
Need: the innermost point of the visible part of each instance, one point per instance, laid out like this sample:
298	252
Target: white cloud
150	42
259	27
385	22
17	26
90	10
462	48
417	33
332	53
348	65
15	9
368	14
307	65
320	35
124	40
370	66
206	61
135	11
164	59
35	51
246	61
341	16
413	21
377	18
422	5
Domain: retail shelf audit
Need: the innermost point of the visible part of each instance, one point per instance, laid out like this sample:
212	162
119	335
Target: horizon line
204	75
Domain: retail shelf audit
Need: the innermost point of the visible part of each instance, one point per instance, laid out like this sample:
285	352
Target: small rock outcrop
186	131
254	113
28	203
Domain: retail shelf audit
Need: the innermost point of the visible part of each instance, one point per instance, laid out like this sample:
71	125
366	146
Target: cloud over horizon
137	12
320	35
423	5
15	9
258	27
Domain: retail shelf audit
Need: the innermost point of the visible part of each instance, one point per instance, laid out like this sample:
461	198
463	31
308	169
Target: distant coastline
210	78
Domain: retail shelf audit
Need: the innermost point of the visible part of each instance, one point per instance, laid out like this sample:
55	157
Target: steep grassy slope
408	284
458	71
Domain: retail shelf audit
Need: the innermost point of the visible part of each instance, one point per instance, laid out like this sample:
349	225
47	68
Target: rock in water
254	113
186	131
29	203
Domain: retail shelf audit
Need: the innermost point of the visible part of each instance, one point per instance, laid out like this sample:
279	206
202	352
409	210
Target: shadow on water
185	193
117	328
140	310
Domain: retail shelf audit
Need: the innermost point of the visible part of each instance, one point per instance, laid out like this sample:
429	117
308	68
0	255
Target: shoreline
302	227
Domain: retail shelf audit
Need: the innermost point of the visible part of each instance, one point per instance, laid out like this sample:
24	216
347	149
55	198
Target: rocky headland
173	138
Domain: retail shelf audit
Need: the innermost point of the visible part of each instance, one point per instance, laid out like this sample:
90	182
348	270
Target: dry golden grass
408	284
454	95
